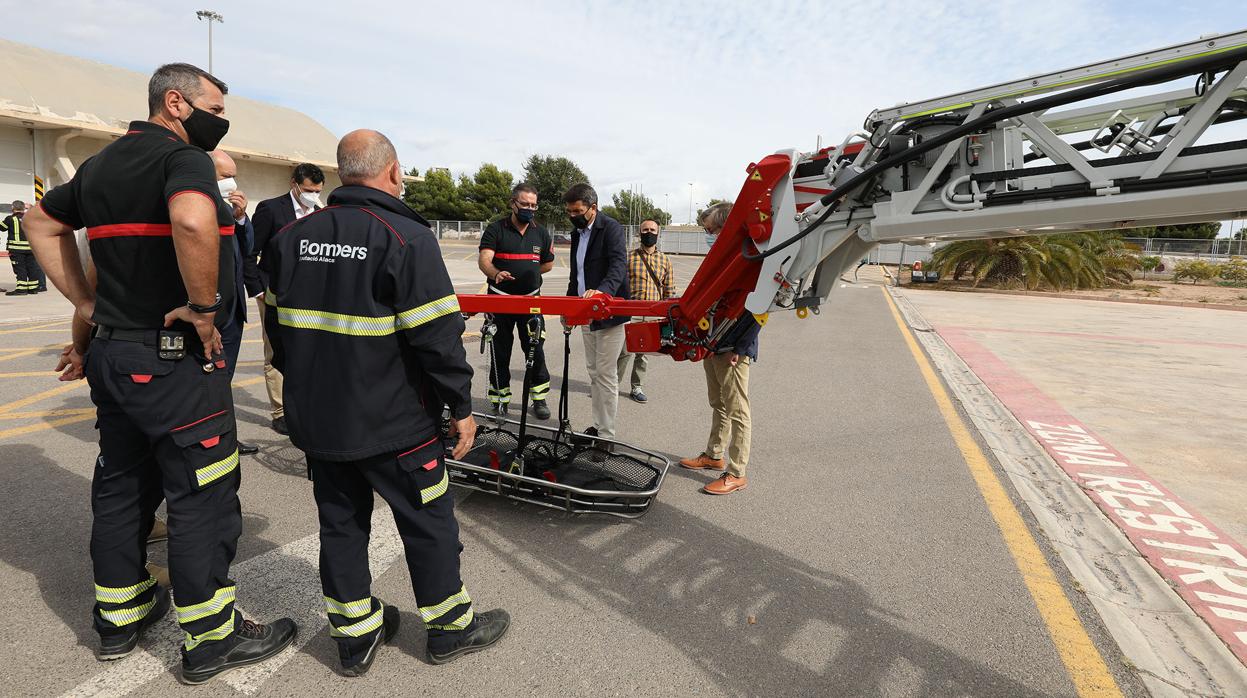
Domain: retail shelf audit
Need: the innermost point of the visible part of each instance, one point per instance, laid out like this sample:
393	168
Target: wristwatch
216	305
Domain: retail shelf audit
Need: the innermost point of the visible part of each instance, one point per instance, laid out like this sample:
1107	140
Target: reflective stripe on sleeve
409	319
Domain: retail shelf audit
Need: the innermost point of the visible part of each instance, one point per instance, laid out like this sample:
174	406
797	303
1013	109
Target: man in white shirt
271	215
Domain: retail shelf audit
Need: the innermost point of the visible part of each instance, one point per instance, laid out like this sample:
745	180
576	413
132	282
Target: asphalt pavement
863	559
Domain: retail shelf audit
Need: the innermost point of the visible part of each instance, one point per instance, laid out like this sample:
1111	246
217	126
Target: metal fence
1217	247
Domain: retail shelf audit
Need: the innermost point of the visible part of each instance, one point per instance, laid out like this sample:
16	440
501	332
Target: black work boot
255	643
389	628
541	410
487	628
118	646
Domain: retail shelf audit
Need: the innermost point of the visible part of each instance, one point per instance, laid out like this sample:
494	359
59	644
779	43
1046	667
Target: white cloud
648	92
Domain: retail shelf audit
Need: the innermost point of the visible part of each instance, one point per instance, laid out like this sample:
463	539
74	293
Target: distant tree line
486	195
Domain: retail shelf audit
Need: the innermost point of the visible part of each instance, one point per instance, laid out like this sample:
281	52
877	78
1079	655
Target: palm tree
1068	260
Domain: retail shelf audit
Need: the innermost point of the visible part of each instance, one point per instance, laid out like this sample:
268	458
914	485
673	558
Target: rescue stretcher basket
559	470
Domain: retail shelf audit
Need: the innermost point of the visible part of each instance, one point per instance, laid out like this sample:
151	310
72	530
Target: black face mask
524	215
581	222
649	239
204	129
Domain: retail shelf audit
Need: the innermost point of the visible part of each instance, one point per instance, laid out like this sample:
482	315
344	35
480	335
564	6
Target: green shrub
1196	270
1233	271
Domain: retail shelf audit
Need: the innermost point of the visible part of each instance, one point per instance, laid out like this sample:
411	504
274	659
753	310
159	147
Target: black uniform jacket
365	326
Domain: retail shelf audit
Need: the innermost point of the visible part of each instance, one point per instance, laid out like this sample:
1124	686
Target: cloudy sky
651	93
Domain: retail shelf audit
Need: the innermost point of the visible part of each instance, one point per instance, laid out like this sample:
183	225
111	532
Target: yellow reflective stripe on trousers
363	627
212	606
122	594
431	613
126	616
428	312
540	389
428	494
460	623
350	609
218	470
219	633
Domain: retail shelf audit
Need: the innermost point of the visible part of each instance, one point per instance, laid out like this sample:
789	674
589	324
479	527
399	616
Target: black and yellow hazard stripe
39	188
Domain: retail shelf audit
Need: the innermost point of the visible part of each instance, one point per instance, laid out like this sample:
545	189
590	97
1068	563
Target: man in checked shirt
651	279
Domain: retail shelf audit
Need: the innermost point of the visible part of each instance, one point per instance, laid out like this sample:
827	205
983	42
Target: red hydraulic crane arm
688	326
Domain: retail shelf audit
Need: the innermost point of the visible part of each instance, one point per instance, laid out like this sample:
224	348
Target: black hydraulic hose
1147	77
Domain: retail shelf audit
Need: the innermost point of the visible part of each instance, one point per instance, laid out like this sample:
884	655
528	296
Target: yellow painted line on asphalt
38	328
1082	660
28	352
37	397
29	374
44	426
48	413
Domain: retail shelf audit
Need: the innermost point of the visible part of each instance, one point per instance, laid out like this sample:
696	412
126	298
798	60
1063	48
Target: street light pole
211	17
690	203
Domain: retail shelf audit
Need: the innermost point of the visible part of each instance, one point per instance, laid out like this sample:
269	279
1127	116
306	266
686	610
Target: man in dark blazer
271	215
241	240
599	265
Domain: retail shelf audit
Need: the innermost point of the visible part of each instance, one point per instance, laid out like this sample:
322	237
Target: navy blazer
243	240
606	264
271	215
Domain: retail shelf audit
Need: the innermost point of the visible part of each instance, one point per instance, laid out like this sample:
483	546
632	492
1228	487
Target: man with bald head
236	312
366	329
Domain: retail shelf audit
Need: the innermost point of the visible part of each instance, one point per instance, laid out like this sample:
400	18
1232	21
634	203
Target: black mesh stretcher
556	467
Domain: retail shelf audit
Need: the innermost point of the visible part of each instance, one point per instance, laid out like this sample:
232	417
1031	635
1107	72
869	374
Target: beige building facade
58	110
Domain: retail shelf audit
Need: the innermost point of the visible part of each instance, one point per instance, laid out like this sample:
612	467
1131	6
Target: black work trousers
416	486
29	274
504	341
167	432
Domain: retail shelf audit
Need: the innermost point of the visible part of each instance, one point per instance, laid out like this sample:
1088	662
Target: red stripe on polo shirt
521	257
140	230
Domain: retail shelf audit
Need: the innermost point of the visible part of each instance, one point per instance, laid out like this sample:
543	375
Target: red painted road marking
1100	337
1206	567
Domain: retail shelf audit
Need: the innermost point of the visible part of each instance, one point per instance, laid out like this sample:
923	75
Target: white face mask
310	199
228	186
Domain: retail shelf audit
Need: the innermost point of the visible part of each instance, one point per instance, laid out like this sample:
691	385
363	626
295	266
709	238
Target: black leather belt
149	337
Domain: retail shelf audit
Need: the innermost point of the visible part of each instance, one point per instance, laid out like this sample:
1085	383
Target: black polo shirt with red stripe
520	254
121	196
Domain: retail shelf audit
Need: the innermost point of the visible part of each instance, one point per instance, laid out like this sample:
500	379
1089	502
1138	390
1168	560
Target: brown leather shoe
726	484
702	462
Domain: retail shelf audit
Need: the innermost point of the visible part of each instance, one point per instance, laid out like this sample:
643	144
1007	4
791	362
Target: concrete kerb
1175	652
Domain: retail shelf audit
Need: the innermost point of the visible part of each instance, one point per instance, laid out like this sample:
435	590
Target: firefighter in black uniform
30	278
366	329
154	218
514	253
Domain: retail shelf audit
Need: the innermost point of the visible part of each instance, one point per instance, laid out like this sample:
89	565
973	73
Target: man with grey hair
727	387
365	326
155	221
